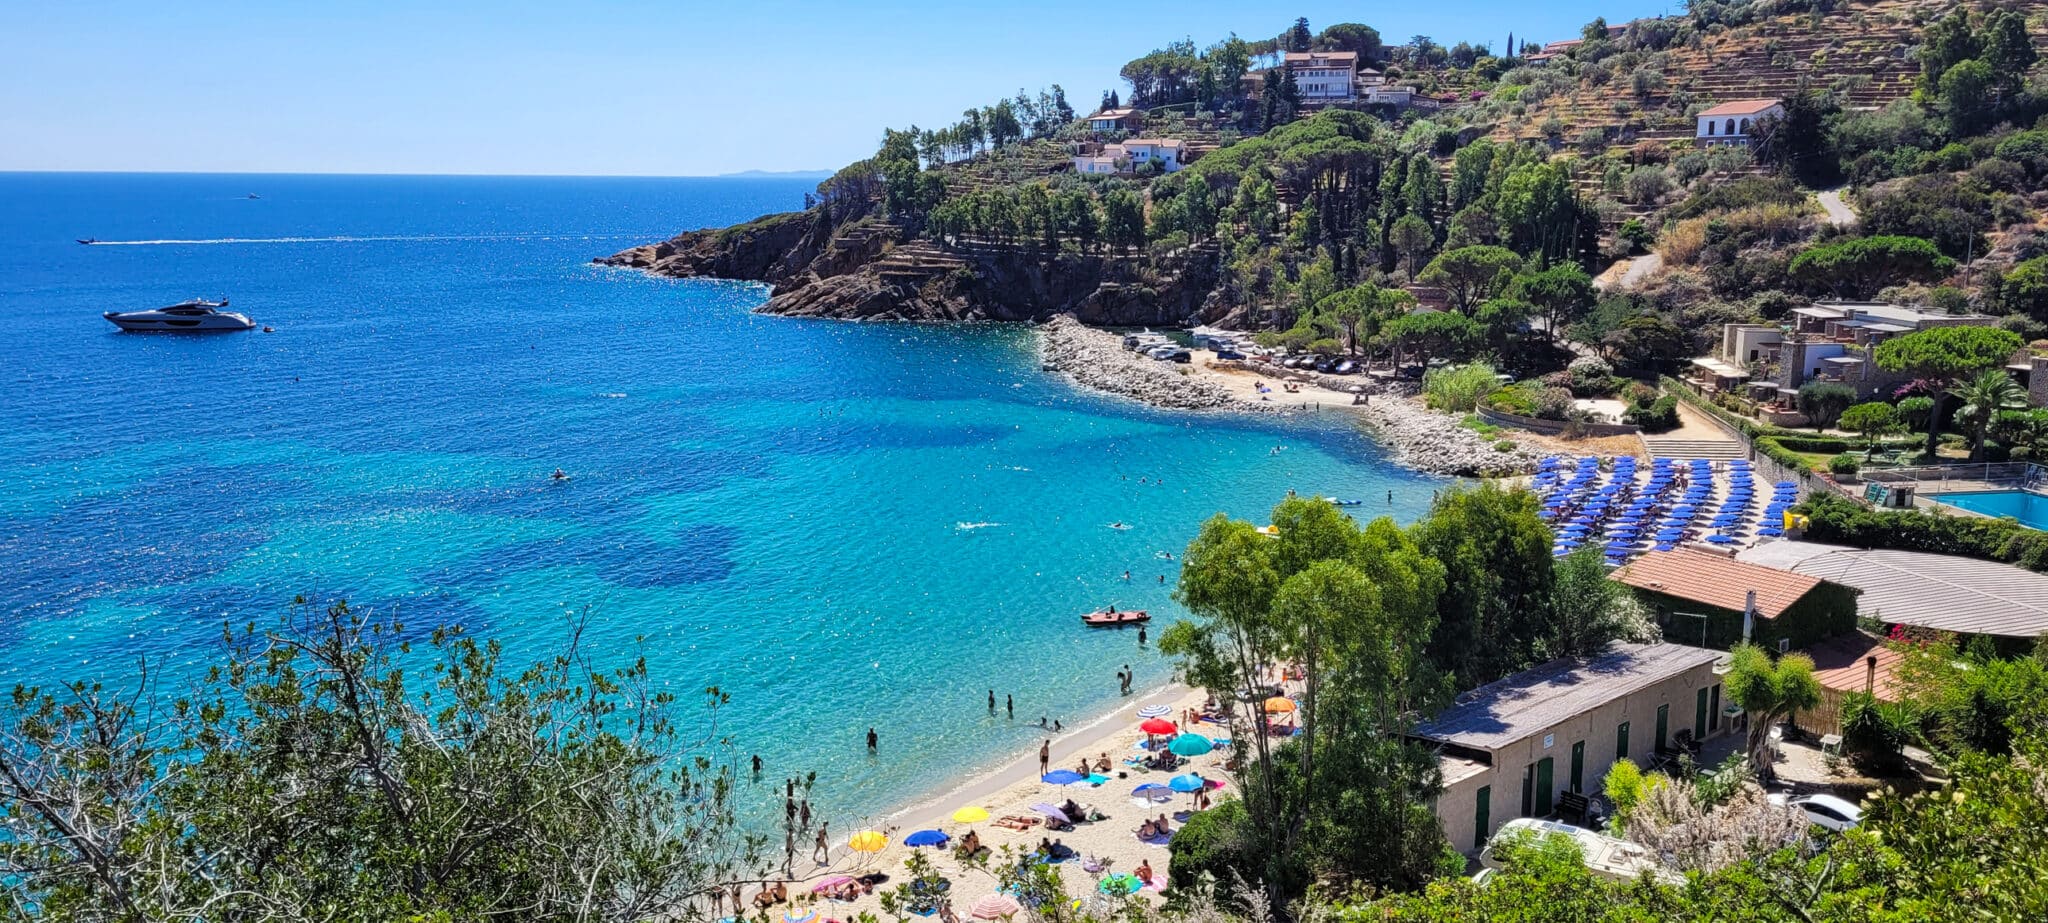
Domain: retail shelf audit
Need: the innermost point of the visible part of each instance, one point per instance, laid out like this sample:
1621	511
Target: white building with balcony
1730	124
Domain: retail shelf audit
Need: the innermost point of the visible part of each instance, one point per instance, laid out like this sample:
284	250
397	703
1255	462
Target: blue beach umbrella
1062	777
1190	745
1152	792
1187	783
926	838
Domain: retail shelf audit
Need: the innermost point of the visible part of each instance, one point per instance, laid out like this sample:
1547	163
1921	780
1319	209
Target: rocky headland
871	269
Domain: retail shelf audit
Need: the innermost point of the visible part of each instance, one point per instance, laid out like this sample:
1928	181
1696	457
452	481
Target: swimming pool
2030	508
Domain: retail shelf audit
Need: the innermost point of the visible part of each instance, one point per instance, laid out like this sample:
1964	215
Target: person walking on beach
872	740
1044	757
803	813
822	852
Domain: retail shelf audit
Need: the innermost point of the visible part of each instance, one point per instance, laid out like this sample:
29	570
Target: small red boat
1109	617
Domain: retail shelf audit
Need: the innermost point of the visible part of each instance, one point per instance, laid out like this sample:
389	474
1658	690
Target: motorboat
1108	618
87	240
195	316
1338	501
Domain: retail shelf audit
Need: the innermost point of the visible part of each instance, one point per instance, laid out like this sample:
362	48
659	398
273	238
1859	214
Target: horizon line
742	174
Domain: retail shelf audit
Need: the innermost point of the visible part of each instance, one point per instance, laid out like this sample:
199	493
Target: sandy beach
1103	847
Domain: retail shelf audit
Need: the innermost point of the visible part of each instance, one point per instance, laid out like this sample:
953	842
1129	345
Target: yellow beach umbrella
867	841
970	815
1278	704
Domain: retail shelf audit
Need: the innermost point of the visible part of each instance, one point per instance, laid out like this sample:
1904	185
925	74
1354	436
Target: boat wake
971	526
375	238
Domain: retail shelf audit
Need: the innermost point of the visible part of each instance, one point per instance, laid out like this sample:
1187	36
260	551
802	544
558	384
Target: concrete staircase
1688	448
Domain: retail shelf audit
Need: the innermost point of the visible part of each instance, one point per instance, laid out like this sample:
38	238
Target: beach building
1824	341
1515	747
1914	588
1731	123
1720	600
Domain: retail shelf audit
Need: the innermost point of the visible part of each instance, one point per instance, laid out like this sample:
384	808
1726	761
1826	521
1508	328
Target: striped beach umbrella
1155	711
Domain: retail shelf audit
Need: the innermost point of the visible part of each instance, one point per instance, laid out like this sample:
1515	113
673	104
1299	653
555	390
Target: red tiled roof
1716	580
1333	58
1741	107
1839	664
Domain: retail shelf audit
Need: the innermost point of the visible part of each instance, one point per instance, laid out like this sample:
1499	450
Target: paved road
1838	211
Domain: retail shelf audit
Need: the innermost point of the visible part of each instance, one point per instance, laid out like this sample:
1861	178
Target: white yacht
197	315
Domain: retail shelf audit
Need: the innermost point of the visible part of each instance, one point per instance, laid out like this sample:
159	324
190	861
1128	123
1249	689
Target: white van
1607	857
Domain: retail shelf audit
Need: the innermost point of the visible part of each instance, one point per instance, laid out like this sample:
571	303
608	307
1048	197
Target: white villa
1730	123
1168	154
1324	76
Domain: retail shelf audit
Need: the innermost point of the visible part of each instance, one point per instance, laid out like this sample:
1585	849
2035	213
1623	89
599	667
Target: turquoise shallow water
772	506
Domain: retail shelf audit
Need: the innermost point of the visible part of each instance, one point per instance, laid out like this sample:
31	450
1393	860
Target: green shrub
1814	444
1845	464
1215	842
1842	521
1875	734
1776	451
1459	387
1504	445
1656	416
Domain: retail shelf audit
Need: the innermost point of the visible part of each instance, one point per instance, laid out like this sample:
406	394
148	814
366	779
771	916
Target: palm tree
1984	398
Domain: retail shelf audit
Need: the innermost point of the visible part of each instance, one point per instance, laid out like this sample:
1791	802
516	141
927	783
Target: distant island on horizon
777	174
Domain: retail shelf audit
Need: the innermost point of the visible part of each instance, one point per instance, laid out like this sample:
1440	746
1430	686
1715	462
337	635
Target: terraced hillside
1861	50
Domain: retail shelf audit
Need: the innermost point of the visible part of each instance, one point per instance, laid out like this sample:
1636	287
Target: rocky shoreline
1097	359
1419	437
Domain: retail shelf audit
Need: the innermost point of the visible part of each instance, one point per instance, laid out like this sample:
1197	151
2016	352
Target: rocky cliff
871	270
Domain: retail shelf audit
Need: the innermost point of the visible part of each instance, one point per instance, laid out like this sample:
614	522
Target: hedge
1839	520
1822	445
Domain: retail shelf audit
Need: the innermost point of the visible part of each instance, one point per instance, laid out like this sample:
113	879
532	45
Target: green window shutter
1621	741
1579	767
1546	786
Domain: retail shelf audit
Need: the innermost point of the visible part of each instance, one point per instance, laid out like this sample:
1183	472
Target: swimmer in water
559	476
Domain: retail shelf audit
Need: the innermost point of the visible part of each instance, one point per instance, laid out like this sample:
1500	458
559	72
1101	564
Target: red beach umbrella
1157	726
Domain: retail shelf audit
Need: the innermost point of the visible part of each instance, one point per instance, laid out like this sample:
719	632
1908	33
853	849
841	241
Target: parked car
1346	367
1827	811
1605	856
1324	364
1227	353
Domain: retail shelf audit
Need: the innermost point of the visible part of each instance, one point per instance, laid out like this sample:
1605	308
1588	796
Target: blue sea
841	525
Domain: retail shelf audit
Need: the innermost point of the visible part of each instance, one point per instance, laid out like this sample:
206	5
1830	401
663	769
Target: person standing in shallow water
872	740
991	701
1010	705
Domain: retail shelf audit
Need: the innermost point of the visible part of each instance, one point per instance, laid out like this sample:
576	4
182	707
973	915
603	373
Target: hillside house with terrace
1825	341
1167	155
1110	121
1324	76
1732	123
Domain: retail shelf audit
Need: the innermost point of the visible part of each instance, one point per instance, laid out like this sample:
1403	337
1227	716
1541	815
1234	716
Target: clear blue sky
638	88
